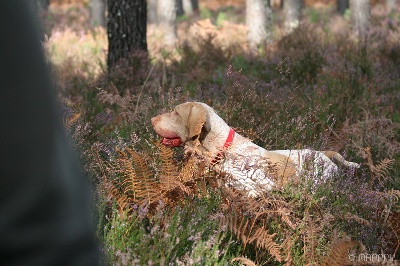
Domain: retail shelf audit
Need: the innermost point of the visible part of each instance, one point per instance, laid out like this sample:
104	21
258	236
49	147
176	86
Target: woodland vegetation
317	87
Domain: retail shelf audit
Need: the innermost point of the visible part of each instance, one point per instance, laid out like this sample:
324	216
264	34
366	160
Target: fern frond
392	195
248	232
138	180
169	171
288	244
339	253
105	96
383	167
284	214
112	192
193	169
263	239
71	120
381	170
352	217
244	261
311	240
141	165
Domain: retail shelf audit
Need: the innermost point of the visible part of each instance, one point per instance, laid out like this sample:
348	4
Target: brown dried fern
248	232
244	261
248	222
266	207
135	182
169	171
71	120
138	181
126	102
379	171
339	253
355	218
311	236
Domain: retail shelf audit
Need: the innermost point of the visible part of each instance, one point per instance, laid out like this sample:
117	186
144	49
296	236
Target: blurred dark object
43	4
44	198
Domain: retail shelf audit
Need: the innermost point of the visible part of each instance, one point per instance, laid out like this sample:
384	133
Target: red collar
227	144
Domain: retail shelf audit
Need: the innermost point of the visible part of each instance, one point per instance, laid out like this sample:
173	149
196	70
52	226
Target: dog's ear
197	118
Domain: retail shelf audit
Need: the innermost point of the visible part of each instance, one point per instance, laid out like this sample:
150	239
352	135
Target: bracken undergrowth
316	88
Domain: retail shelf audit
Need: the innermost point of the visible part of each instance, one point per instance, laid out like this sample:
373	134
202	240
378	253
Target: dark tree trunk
259	22
189	6
342	6
179	8
98	13
126	29
360	16
186	7
292	11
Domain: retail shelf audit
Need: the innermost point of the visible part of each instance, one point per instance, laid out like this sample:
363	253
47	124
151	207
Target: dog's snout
155	120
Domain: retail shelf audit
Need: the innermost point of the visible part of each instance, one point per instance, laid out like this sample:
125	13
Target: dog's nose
153	120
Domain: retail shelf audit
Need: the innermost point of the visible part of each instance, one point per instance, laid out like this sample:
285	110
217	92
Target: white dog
250	167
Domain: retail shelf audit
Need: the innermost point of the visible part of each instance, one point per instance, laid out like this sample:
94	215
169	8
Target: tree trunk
166	14
98	13
186	7
360	16
179	8
152	11
126	29
390	4
342	6
259	22
292	11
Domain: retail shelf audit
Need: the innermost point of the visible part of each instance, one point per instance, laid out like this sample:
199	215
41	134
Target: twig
141	90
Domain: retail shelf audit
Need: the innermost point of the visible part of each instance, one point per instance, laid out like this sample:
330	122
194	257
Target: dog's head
185	123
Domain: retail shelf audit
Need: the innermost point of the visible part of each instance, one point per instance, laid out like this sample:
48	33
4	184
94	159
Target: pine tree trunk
179	8
98	13
360	16
342	6
187	7
292	11
126	29
152	11
390	4
259	22
166	15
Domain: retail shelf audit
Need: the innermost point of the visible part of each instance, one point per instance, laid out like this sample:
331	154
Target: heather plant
315	88
305	54
181	236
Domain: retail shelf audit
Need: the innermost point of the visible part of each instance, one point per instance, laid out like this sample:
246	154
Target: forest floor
318	87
